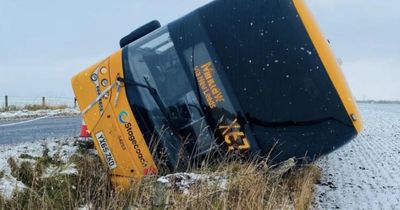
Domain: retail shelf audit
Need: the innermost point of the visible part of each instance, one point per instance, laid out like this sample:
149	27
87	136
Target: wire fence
17	102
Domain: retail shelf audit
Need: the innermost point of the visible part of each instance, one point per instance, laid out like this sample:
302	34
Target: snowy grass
33	107
67	174
16	160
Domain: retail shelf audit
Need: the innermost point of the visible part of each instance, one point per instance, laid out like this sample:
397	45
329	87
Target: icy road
52	127
365	174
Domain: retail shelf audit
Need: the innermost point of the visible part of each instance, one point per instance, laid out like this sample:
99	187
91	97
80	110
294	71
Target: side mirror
139	33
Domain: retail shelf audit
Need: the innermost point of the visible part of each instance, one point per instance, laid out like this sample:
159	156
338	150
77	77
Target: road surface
365	174
52	127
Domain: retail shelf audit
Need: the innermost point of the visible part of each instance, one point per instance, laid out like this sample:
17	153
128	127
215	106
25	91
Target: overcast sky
43	43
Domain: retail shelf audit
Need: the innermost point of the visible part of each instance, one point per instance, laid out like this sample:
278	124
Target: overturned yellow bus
251	77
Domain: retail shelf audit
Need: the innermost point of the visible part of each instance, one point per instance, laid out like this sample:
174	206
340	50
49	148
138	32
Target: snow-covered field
365	174
23	114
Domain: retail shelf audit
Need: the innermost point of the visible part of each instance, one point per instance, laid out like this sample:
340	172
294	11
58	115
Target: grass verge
33	107
249	185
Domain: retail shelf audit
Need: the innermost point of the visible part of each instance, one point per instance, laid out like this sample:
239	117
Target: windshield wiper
154	93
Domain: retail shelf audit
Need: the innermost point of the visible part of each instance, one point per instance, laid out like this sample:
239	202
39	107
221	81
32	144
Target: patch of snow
184	181
65	170
86	207
8	184
70	169
62	149
49	172
163	180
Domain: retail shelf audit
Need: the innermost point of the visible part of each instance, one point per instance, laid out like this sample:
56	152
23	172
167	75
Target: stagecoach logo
135	144
123	117
101	139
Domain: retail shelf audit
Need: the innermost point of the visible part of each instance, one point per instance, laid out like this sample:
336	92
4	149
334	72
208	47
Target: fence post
6	102
74	103
43	101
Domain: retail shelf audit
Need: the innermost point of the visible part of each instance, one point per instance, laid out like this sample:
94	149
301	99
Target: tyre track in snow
365	174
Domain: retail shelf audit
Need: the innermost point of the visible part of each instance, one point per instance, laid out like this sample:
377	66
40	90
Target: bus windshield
153	61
